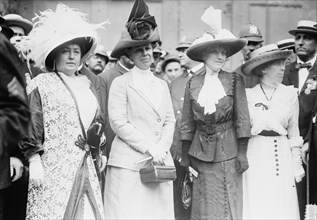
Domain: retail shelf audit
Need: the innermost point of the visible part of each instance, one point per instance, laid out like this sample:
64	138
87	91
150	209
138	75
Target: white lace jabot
211	92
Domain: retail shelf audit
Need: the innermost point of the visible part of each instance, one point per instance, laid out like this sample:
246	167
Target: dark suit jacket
104	82
215	136
306	102
14	110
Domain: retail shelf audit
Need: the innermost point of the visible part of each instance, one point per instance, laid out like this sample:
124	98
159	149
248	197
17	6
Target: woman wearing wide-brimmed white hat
274	149
215	128
62	146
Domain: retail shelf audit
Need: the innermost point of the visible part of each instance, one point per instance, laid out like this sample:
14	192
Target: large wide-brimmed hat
18	20
224	39
52	29
263	55
305	26
251	33
8	32
141	29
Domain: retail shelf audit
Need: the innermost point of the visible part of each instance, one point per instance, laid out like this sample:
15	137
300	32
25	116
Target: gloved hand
304	152
16	168
158	154
93	134
36	170
299	171
242	160
103	163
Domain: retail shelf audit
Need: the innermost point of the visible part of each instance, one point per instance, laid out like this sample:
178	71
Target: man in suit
177	89
14	118
97	61
105	79
303	75
253	35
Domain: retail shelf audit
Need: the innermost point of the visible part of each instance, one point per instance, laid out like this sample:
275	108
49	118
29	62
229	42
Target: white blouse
279	114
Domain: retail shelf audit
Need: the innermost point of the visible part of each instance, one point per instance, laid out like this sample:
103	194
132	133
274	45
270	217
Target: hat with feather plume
217	37
53	29
141	29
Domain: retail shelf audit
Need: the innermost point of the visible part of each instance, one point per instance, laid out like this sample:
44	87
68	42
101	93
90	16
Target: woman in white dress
274	149
142	117
62	146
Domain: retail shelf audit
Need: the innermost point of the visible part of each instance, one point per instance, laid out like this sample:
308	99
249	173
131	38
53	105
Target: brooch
259	104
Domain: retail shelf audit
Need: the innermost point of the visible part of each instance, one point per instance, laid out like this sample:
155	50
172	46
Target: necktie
303	65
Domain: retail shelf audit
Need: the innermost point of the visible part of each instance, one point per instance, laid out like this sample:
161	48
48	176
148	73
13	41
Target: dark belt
209	131
270	133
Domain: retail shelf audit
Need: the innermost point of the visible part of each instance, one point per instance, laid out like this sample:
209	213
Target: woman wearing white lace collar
274	149
215	129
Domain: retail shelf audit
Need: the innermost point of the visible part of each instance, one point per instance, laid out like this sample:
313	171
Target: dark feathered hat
141	29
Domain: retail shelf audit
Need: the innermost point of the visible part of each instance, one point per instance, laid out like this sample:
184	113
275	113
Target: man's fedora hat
251	32
223	38
8	32
18	20
305	26
141	29
263	55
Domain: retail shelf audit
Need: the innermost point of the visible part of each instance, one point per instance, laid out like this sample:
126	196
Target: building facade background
178	18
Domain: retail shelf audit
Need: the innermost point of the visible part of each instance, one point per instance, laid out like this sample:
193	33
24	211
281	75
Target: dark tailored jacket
313	159
215	136
105	79
177	89
306	102
14	110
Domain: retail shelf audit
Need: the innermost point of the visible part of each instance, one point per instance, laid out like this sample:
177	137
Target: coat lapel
141	94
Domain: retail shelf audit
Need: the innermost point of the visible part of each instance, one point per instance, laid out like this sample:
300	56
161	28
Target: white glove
16	168
158	154
299	171
103	162
36	170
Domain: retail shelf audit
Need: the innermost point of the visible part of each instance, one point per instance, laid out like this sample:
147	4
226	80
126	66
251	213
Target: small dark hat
185	43
251	32
141	29
305	26
168	59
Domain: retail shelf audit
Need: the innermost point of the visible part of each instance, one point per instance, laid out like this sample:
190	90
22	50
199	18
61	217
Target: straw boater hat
286	44
305	26
18	20
141	29
53	29
218	37
8	32
263	55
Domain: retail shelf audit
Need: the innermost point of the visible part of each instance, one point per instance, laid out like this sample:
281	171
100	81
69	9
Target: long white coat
139	123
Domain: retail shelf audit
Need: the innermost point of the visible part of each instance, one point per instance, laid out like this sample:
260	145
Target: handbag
157	173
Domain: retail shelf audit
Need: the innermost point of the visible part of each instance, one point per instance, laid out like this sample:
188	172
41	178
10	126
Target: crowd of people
78	122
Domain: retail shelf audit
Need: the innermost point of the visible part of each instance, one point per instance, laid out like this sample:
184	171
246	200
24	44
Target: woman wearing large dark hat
215	128
274	149
141	115
62	146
